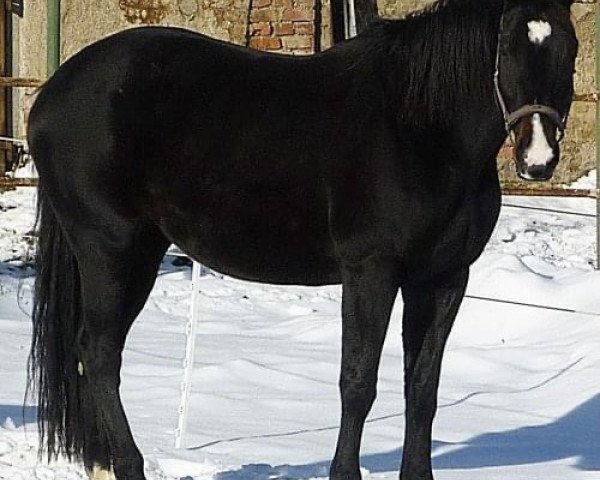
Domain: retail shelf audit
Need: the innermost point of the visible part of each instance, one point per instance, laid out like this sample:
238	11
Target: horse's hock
286	26
579	145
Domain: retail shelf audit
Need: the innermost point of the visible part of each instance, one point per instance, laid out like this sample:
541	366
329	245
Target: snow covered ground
519	399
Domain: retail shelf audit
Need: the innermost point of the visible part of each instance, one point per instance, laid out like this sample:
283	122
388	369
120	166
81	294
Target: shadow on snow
17	415
575	435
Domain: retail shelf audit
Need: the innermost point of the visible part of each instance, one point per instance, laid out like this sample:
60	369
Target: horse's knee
358	394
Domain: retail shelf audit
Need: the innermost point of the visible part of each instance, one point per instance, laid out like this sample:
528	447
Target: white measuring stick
188	362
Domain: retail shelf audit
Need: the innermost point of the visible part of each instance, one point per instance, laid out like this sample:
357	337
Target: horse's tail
53	362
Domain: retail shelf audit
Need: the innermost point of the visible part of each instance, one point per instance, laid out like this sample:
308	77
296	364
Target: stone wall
579	146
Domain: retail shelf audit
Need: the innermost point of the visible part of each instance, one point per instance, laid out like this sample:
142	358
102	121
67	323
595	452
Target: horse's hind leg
116	281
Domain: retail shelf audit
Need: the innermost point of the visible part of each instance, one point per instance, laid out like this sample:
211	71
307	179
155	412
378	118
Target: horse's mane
438	57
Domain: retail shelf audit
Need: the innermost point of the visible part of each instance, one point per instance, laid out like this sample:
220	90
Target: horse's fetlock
129	468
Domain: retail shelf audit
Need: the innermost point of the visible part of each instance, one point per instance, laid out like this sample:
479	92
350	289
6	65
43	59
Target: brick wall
287	26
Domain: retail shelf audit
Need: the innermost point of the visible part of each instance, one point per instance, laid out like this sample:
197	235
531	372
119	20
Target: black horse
372	164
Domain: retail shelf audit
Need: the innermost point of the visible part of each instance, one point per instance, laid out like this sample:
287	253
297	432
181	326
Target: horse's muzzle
535	173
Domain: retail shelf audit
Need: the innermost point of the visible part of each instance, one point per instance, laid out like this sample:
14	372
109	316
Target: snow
519	396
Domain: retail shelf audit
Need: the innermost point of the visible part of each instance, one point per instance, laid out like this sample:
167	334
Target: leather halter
512	118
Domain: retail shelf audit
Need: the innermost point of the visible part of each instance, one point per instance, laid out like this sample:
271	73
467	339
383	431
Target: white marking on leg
539	30
80	369
539	151
100	473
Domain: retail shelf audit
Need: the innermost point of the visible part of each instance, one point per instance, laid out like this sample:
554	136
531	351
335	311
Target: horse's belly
263	250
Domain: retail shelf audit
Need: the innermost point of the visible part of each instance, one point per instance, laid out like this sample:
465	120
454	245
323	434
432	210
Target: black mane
439	56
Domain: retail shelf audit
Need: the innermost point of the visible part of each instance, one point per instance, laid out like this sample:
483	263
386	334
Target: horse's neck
482	126
432	76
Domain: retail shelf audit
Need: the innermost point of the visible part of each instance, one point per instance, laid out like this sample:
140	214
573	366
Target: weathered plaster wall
84	22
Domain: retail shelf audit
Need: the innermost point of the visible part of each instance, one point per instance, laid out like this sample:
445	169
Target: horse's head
534	80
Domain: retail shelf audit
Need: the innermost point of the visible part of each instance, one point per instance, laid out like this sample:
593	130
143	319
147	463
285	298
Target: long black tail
53	363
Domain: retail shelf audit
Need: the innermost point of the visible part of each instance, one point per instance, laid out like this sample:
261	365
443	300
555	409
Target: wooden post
4	111
338	20
16	82
53	36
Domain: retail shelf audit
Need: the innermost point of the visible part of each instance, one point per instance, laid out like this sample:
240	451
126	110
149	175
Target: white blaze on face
539	151
99	473
539	30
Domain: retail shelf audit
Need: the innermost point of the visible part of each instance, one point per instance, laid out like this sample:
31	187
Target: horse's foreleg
429	313
370	289
115	287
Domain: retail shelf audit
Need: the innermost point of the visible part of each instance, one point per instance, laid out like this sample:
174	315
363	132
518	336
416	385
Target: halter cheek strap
512	118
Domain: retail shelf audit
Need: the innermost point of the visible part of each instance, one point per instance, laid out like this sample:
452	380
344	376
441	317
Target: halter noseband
512	118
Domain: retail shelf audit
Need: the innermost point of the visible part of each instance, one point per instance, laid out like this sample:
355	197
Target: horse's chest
456	237
468	233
